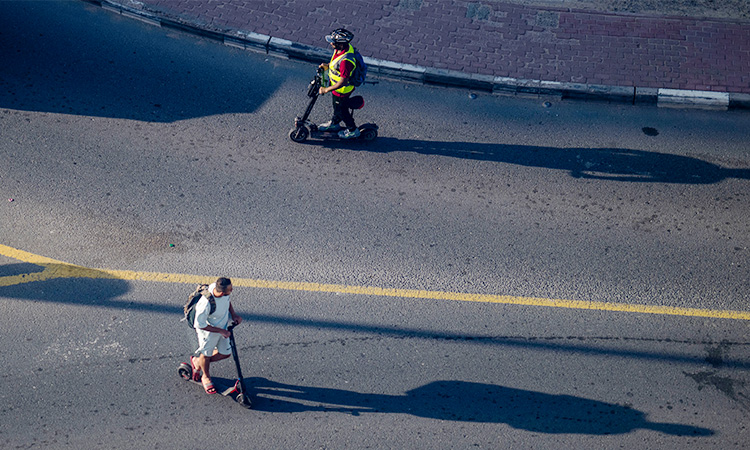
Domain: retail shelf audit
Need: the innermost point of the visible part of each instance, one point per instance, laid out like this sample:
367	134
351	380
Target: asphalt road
128	147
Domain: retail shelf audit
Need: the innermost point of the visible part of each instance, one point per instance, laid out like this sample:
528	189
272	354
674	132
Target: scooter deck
223	386
227	388
334	134
235	389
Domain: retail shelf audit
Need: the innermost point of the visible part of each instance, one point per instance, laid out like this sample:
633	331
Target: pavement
491	46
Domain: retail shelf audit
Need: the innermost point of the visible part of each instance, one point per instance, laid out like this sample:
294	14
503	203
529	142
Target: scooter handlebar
316	83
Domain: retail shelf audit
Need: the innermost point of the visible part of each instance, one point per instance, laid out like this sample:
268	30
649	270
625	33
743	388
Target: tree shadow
470	402
612	164
76	58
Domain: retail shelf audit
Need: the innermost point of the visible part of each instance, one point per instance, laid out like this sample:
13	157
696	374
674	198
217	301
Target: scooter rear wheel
185	372
299	134
369	134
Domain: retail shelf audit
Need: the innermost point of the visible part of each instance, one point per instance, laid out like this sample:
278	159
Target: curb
261	43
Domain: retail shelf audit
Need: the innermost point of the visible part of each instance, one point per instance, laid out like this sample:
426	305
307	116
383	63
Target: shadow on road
88	287
613	164
470	402
63	284
76	58
442	400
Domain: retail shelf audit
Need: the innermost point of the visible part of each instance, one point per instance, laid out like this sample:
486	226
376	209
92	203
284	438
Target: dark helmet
340	36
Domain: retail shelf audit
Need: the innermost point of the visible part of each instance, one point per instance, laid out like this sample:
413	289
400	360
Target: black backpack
189	308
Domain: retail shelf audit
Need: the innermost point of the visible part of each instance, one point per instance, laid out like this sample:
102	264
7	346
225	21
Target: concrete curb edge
283	48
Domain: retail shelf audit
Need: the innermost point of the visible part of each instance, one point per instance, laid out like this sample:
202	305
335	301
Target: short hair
222	284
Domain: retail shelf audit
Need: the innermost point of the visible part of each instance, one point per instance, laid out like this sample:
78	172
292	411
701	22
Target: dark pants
341	112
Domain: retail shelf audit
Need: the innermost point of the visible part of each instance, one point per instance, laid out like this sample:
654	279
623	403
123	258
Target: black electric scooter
303	128
237	390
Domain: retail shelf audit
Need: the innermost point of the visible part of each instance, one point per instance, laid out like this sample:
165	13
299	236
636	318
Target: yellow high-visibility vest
333	69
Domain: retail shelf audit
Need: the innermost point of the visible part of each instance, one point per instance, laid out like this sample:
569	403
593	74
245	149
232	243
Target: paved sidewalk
492	45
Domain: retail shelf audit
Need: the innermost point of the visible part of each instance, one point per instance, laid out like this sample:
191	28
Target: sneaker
346	134
329	126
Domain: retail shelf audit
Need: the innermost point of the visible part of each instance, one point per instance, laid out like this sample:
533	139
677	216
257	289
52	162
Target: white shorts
208	341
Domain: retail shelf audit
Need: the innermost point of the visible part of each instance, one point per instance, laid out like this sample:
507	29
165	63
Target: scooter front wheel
299	134
243	400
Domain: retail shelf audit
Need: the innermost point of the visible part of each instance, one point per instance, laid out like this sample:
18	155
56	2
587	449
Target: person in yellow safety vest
339	69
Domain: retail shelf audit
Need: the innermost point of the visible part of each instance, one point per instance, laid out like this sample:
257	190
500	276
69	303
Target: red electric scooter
237	390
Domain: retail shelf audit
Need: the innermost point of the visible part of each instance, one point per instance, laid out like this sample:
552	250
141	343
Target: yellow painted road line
21	255
59	269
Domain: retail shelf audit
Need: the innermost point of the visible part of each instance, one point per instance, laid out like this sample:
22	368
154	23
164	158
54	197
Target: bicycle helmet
340	36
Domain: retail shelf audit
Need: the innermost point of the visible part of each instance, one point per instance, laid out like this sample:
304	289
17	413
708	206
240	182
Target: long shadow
76	58
613	164
7	270
470	402
98	290
442	400
104	292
